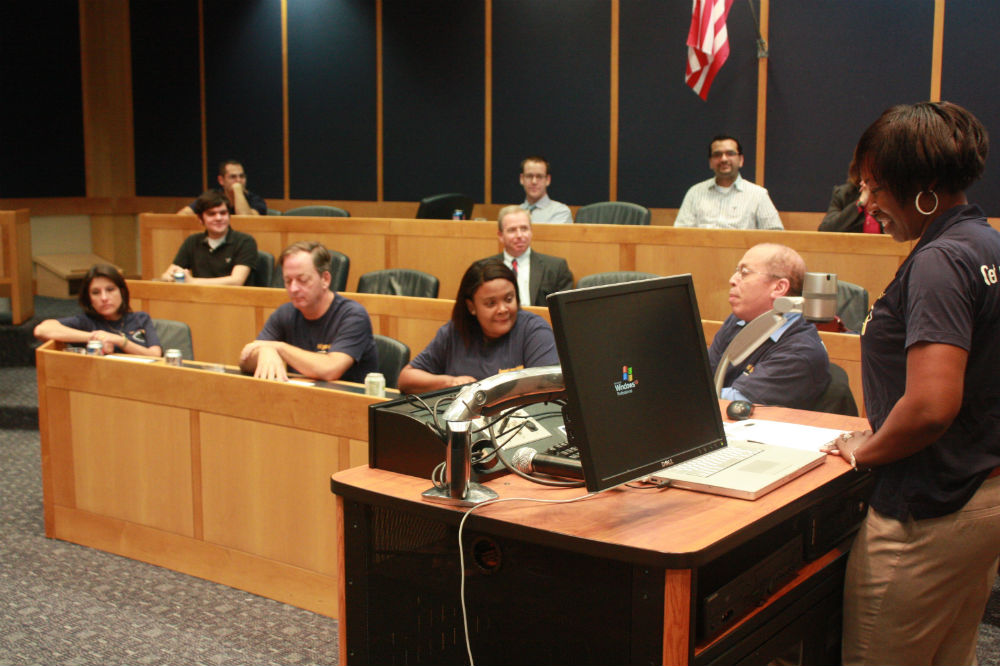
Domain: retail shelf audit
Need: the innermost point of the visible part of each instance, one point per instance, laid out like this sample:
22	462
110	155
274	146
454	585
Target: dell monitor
639	392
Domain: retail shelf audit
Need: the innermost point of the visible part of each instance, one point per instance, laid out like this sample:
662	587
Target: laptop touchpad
760	466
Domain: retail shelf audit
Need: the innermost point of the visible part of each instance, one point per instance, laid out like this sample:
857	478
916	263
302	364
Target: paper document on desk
779	433
132	359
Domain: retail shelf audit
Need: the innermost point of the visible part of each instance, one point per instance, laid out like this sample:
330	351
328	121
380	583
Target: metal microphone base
475	494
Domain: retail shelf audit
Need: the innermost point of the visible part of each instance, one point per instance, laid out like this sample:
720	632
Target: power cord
461	552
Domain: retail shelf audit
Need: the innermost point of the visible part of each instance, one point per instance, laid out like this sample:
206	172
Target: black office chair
393	356
852	305
399	282
262	274
837	398
174	335
443	206
340	266
612	277
318	211
613	212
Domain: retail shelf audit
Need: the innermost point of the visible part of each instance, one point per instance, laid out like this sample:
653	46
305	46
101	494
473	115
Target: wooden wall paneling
15	263
108	125
254	504
57	456
143	473
154	494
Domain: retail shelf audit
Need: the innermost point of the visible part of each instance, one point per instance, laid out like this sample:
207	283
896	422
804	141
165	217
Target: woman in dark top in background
486	335
922	566
106	317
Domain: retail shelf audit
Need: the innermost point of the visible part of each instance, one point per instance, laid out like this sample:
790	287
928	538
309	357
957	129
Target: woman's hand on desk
846	445
110	342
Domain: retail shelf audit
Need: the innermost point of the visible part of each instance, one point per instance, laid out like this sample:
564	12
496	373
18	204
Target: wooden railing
15	263
445	249
223	319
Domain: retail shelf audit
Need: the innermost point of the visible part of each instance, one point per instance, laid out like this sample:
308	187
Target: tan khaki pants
915	591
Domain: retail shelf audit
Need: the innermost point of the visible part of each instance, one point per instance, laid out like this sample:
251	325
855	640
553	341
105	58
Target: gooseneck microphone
529	461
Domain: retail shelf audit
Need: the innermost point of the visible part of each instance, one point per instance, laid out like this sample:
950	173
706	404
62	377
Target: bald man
791	368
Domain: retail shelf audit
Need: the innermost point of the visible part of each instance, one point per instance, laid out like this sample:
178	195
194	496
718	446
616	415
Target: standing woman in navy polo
106	316
923	564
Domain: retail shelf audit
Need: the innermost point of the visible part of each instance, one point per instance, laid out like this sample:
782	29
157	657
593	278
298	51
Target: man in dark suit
538	275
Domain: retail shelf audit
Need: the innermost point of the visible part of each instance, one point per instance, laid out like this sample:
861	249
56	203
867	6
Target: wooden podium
627	576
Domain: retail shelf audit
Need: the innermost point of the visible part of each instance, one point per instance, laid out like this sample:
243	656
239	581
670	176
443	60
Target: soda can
178	276
459	214
173	357
375	384
95	348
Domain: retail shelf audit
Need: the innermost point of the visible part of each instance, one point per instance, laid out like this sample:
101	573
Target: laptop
640	399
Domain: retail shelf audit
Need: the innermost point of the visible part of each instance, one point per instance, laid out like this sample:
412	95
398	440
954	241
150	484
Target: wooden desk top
672	528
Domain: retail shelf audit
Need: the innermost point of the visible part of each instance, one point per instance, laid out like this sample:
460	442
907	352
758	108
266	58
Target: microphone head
521	460
819	296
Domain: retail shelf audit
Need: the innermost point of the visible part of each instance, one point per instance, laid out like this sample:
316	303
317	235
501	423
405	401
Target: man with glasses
791	368
535	179
233	185
727	201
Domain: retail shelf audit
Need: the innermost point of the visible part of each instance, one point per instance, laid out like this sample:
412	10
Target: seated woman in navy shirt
486	335
106	317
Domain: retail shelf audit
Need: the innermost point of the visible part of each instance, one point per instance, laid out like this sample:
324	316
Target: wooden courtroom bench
224	319
211	473
15	263
446	248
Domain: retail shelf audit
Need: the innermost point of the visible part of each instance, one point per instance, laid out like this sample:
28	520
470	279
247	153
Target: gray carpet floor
69	605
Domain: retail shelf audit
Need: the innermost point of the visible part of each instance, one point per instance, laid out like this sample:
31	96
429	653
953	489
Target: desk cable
461	551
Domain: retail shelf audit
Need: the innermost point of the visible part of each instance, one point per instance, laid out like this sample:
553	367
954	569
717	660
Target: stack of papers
779	433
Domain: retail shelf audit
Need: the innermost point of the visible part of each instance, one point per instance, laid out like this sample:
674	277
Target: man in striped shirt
727	201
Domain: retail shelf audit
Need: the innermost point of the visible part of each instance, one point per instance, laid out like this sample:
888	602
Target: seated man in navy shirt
218	255
791	368
233	185
319	334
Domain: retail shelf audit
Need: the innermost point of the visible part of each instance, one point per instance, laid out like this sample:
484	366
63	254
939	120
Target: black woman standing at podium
922	566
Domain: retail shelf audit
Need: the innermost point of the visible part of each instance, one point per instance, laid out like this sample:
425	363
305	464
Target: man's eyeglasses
742	272
724	153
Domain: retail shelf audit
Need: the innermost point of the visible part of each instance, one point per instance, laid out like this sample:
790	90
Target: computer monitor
638	387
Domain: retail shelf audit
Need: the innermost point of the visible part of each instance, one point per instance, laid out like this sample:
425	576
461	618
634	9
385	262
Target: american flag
708	43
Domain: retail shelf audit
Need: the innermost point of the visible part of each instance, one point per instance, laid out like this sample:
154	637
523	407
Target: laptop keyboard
716	461
704	465
563	450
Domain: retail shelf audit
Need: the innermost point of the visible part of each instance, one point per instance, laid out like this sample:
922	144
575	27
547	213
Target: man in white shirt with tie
535	179
538	275
727	201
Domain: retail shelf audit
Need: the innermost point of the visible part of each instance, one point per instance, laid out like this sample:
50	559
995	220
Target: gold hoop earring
916	202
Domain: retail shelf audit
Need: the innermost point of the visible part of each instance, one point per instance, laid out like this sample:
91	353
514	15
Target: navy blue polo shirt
945	292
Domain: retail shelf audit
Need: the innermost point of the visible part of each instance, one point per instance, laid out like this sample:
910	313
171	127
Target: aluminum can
375	384
178	276
459	214
173	357
95	348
